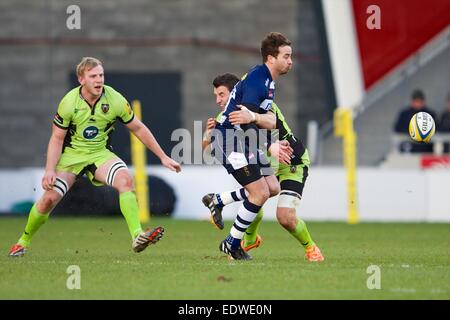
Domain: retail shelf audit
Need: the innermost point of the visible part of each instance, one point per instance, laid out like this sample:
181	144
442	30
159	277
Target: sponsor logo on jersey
272	85
266	104
105	107
90	132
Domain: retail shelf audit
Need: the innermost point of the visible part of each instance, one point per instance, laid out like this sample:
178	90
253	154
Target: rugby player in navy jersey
290	161
232	137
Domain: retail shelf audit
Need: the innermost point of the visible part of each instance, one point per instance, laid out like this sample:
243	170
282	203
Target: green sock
302	235
130	210
252	230
35	221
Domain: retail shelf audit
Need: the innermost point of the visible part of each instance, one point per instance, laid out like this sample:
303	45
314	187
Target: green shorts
291	178
295	173
79	163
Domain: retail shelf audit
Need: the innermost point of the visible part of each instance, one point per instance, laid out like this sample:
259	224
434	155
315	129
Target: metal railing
438	141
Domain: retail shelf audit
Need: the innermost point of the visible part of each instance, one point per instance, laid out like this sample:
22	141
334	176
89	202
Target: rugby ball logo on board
422	127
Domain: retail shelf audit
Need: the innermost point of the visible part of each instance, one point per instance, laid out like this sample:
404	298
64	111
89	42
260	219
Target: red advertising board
432	162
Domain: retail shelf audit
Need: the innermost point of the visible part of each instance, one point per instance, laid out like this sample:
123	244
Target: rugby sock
233	242
252	230
130	210
35	221
224	198
302	235
246	214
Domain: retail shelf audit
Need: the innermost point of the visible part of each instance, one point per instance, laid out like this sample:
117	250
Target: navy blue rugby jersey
256	91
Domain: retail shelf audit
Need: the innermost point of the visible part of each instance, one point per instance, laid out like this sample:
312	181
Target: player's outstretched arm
54	150
143	133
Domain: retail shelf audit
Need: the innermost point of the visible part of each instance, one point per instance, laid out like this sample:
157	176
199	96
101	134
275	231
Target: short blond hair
87	63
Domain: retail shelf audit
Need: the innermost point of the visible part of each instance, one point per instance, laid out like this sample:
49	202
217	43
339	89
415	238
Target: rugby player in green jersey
290	161
79	144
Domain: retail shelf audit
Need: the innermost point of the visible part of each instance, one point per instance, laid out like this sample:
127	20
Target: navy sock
219	201
233	242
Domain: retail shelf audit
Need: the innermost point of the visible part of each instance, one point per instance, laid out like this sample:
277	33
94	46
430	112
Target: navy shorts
235	149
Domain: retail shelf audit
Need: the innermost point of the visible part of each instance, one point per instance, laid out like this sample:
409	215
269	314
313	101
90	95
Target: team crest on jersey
105	107
90	132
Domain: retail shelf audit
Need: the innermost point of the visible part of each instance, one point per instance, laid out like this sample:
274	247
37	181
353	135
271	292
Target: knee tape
289	199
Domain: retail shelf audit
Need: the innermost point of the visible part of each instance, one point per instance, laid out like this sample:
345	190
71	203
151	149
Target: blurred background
368	57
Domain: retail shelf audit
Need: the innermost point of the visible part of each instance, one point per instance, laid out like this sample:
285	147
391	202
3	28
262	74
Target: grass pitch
414	262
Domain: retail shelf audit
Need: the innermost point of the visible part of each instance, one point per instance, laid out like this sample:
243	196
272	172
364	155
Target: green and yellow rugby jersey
219	115
301	156
282	126
89	127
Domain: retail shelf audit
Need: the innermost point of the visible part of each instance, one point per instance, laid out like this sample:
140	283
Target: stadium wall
197	39
404	195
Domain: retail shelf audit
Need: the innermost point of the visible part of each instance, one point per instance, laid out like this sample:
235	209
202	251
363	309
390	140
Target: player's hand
48	180
171	164
282	151
242	116
210	124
